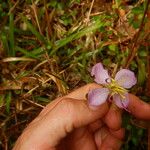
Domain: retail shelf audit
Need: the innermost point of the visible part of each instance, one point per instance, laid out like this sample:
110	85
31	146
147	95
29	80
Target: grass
47	49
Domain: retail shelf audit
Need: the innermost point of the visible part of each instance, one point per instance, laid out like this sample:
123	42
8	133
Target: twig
34	103
13	7
88	16
36	17
48	18
11	59
134	47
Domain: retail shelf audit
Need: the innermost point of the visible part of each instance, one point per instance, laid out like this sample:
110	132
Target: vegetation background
47	48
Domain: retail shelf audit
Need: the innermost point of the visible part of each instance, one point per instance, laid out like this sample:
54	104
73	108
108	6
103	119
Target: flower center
115	88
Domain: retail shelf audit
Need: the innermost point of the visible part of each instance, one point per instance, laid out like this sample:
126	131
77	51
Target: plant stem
134	47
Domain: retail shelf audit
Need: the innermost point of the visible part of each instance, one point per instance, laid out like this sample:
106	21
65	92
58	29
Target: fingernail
95	99
94	105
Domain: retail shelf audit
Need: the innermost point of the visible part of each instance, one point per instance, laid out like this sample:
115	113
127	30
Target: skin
69	123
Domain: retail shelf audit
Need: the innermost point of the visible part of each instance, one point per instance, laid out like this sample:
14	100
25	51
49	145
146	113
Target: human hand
70	123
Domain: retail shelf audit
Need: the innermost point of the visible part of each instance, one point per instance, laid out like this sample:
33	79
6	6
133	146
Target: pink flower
113	88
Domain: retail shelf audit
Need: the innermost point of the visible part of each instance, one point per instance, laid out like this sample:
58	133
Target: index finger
79	93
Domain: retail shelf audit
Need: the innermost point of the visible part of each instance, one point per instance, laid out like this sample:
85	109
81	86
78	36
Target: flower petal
125	78
98	96
100	73
120	102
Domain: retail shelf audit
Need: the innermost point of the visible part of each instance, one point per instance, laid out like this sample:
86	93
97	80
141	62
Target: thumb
47	131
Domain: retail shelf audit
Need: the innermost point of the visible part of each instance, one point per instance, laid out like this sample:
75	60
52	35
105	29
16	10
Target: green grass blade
77	35
25	52
11	35
34	31
38	51
4	40
34	53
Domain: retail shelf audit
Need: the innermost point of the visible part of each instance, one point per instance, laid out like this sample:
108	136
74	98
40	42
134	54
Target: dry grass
47	49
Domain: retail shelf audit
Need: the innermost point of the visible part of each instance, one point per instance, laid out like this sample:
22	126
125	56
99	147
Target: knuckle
68	107
69	112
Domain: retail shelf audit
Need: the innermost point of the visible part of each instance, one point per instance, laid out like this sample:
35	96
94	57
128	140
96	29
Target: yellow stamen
115	88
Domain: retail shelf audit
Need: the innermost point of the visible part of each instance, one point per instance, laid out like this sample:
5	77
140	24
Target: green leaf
138	10
113	47
106	61
42	99
143	52
117	3
53	3
141	72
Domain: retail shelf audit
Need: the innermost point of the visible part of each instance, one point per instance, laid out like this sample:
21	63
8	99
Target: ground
47	49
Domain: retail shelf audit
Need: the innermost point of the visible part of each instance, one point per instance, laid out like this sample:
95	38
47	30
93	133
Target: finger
139	108
106	140
80	139
119	134
99	136
113	118
95	125
111	143
79	93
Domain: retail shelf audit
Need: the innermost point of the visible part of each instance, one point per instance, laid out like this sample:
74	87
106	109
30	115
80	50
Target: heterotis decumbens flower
116	88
